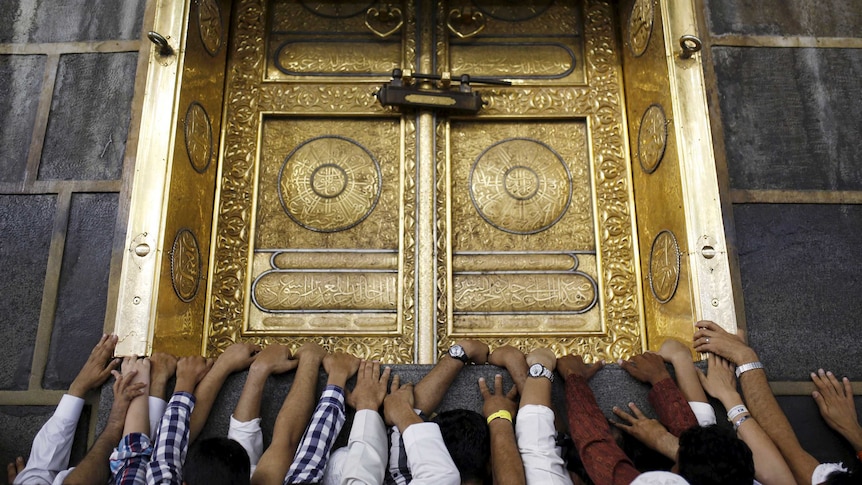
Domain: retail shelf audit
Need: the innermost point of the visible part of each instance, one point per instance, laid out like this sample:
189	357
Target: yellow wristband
500	414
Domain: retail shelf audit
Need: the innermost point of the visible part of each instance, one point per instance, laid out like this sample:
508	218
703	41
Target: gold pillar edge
136	301
711	287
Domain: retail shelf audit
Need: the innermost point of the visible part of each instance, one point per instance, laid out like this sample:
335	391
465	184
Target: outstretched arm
93	469
665	397
769	465
235	358
432	388
365	463
835	401
292	418
506	465
678	355
761	402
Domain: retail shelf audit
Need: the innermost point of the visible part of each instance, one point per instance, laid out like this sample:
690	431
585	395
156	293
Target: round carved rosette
664	266
520	186
329	184
640	26
185	265
652	138
198	133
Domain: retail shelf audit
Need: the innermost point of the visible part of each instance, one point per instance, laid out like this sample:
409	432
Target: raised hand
126	389
398	405
710	337
648	431
674	351
477	351
647	367
496	400
190	371
237	357
370	389
340	366
835	400
274	359
574	364
97	368
720	380
310	351
162	367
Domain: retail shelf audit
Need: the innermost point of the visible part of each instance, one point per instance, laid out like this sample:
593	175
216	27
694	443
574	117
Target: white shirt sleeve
249	436
428	457
52	444
535	432
365	463
156	408
821	473
703	412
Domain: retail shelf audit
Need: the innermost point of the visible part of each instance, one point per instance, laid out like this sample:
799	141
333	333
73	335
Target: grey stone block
20	425
820	18
814	434
791	117
801	272
83	290
27	223
89	120
19	100
23	21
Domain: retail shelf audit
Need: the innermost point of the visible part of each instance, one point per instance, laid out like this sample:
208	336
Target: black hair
853	475
468	440
216	461
712	455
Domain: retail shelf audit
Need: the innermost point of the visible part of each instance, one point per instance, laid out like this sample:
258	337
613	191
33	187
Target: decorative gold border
619	282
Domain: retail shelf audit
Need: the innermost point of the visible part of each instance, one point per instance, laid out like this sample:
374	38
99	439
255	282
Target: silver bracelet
747	367
737	424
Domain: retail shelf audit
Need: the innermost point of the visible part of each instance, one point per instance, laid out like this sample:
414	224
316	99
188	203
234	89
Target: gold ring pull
383	17
466	23
689	44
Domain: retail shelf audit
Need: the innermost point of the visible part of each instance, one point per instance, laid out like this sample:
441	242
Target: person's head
469	442
216	461
712	455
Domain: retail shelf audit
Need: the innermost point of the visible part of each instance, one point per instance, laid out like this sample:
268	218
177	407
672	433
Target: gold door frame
705	254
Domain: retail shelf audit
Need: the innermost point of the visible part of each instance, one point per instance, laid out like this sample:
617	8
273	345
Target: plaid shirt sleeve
172	441
326	422
129	460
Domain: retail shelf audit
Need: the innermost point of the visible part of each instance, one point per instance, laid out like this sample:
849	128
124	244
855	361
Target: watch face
536	370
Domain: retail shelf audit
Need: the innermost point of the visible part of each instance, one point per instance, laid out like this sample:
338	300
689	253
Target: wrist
746	356
729	399
337	379
405	420
77	391
185	384
659	377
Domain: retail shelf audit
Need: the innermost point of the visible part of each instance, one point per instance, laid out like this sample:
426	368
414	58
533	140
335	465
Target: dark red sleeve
672	408
603	459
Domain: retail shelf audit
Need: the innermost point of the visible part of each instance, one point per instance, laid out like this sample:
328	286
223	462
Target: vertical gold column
426	286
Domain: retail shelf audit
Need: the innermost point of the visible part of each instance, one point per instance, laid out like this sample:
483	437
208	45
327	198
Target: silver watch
457	352
538	370
747	367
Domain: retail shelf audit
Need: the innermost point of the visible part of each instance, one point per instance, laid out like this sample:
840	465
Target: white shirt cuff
70	407
703	412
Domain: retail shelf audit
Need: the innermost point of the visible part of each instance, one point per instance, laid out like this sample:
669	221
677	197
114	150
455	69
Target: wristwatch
457	352
538	370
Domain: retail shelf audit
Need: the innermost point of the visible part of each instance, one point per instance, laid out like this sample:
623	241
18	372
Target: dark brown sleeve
672	408
603	459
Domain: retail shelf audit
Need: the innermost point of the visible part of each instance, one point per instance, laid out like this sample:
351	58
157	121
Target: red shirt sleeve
672	408
603	459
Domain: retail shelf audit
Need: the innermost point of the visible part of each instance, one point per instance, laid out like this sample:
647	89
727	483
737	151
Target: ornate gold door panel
393	234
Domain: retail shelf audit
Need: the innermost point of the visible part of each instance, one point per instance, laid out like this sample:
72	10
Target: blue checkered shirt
172	441
129	460
313	452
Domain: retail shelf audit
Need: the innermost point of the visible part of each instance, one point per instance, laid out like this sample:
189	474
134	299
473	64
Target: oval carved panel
664	266
198	133
640	26
652	138
185	265
210	25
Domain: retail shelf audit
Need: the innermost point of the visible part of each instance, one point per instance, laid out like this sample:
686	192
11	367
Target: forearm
672	408
687	380
769	466
93	469
765	409
248	406
138	417
506	464
428	393
205	393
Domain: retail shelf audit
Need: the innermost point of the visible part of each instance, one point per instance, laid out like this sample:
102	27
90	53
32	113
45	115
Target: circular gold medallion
210	26
640	26
664	266
652	138
185	265
520	186
199	137
329	184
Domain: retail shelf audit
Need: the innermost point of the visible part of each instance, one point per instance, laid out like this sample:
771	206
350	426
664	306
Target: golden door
392	233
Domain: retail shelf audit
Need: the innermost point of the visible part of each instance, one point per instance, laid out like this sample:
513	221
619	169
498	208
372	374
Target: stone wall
67	68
